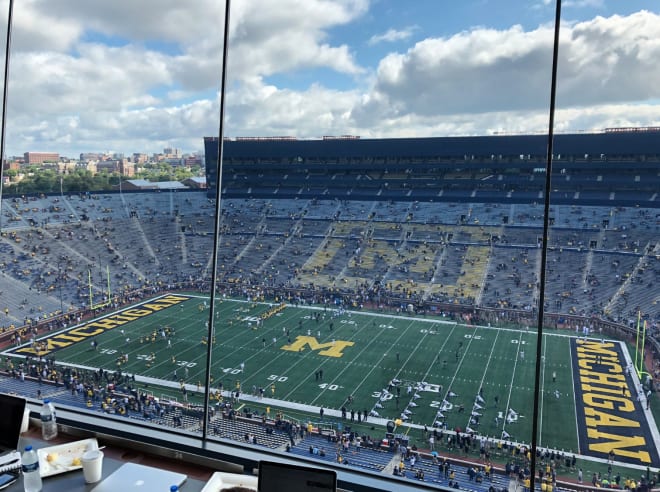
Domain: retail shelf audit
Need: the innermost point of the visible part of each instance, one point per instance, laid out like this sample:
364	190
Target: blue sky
136	76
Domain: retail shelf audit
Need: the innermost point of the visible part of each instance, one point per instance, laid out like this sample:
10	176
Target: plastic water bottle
174	488
30	467
48	423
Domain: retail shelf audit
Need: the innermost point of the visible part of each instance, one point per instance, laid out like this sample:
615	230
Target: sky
140	75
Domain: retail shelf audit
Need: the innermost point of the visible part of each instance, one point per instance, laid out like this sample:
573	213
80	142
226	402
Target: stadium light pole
544	243
216	237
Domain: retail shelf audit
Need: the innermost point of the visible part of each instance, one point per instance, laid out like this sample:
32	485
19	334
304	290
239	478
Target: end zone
612	423
67	337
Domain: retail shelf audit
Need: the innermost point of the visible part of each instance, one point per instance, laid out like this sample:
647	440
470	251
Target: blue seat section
370	459
385	461
249	431
316	236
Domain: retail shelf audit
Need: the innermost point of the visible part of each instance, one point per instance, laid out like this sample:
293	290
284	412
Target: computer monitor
13	409
276	477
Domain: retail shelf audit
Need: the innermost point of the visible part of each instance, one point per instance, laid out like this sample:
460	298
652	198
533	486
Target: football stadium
380	292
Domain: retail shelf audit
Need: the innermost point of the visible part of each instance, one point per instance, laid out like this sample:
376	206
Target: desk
114	457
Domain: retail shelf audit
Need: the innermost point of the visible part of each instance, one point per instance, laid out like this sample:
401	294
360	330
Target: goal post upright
89	283
640	344
637	342
91	290
641	370
107	270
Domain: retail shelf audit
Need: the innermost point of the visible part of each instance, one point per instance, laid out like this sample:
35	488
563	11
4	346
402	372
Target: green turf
456	357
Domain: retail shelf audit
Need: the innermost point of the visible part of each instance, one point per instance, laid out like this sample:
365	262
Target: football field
423	370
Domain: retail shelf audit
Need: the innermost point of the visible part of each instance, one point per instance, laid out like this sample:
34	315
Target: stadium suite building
616	167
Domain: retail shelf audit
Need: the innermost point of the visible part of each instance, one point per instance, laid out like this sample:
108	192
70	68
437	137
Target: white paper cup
92	465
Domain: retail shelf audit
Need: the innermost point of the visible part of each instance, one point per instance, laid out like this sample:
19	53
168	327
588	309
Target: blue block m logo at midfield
329	349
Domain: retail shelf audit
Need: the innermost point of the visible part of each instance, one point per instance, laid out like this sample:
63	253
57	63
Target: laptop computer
276	477
13	408
11	421
131	477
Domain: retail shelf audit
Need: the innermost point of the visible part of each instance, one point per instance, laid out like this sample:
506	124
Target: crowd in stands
600	261
455	460
478	263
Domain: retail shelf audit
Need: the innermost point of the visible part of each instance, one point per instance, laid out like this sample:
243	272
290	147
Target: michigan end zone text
97	326
610	417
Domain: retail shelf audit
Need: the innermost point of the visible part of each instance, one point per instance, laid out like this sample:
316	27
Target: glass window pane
382	195
373	268
106	226
599	296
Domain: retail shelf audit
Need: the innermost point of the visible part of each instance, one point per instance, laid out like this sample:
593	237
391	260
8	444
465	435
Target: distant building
121	166
172	152
138	184
140	158
192	161
86	166
90	156
143	184
66	167
126	168
196	182
170	185
174	161
40	157
11	165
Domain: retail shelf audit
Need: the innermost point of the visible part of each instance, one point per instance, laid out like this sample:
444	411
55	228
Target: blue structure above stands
617	167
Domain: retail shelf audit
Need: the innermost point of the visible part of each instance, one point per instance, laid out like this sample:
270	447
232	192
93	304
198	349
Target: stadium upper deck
612	168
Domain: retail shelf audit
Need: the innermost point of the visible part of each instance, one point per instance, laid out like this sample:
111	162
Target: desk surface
73	481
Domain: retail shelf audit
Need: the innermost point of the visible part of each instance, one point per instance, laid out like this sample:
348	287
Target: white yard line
545	347
483	378
513	376
403	333
458	367
435	360
424	378
577	425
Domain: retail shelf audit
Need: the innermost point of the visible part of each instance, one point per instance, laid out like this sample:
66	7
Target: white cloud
260	109
156	84
147	129
122	67
583	3
277	36
101	78
602	61
476	71
179	23
392	35
36	29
